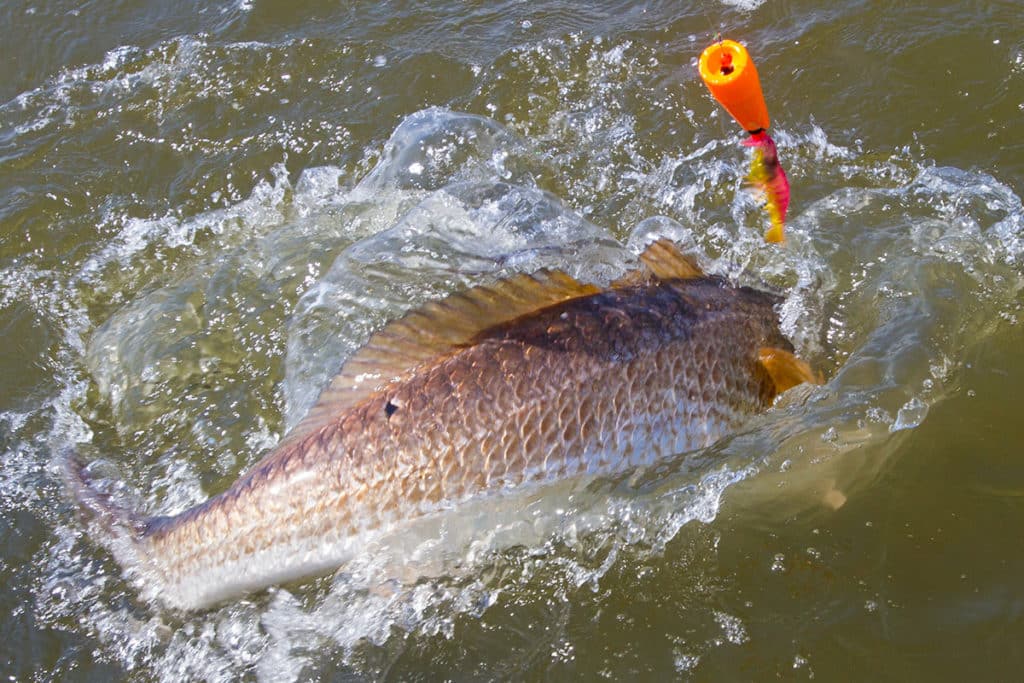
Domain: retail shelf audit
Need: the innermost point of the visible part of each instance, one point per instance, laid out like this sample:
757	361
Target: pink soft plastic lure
768	178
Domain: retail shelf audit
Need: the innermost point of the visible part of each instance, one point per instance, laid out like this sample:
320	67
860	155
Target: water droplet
380	60
733	628
779	563
879	415
910	415
686	662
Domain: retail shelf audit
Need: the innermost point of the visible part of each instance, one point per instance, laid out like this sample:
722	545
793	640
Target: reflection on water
180	343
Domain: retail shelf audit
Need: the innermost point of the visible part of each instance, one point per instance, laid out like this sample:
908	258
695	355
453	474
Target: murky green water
204	208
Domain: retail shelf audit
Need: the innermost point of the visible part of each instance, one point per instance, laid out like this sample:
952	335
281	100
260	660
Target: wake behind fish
889	279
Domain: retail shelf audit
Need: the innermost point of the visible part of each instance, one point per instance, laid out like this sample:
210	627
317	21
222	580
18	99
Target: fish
517	384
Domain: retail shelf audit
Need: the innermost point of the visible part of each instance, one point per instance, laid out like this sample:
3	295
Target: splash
744	5
183	376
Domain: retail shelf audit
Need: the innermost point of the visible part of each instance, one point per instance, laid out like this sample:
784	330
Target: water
204	209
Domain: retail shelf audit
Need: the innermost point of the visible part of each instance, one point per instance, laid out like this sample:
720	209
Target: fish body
532	380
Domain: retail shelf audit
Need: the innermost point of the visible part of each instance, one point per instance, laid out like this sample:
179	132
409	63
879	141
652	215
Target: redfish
527	381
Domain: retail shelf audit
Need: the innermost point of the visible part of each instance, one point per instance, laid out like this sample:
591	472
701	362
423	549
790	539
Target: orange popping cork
729	72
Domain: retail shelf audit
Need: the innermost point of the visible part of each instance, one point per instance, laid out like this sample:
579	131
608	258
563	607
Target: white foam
744	5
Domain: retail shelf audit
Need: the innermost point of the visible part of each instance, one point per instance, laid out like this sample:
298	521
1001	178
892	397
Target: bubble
911	415
733	628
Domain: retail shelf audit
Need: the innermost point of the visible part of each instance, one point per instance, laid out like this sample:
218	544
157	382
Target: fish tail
121	531
96	505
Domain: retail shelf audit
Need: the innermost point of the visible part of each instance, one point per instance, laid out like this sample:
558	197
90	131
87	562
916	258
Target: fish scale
568	379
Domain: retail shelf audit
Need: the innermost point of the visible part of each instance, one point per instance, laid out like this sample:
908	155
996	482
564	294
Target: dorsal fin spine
660	260
663	258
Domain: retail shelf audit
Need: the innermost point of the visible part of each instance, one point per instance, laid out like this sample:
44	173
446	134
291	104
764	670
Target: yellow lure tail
768	177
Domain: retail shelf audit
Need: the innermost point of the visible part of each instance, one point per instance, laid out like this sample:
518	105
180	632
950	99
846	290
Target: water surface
205	209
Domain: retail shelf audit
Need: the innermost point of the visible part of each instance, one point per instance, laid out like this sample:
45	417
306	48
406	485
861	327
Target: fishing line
715	34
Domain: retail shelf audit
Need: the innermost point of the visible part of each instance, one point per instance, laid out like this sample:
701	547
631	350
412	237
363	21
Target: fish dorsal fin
785	369
435	329
663	258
